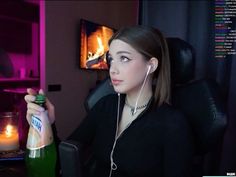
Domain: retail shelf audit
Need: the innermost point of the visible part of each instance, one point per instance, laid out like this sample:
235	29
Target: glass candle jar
9	136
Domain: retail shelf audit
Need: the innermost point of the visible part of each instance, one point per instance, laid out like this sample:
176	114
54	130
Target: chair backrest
199	100
102	89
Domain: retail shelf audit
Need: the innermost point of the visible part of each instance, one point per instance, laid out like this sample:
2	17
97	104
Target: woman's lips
116	81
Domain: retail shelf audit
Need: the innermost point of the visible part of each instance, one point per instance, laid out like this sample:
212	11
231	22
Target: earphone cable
113	165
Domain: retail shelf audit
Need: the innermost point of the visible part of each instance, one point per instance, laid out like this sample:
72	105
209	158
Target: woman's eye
124	59
109	59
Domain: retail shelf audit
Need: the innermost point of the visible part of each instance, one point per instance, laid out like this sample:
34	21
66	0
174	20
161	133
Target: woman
135	133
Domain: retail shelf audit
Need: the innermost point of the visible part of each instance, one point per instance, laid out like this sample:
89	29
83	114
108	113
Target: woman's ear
153	62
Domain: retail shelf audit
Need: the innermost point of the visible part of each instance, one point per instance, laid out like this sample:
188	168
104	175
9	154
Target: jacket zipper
132	122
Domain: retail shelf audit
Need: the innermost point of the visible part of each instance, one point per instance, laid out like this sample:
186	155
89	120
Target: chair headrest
182	58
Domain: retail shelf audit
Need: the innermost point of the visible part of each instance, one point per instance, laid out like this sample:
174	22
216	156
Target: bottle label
36	123
40	132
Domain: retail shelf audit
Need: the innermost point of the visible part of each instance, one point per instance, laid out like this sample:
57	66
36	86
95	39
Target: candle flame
9	129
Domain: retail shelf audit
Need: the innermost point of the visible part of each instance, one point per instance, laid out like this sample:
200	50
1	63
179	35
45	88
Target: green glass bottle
41	149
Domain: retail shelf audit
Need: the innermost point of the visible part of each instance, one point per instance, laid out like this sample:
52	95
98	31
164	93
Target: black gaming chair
199	100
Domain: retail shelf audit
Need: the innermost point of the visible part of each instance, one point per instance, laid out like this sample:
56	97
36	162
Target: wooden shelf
15	79
19	83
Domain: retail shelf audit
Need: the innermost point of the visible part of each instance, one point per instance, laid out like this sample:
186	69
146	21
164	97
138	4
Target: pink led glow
28	62
42	44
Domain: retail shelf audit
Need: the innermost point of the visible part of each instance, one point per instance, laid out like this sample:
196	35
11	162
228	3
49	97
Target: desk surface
13	169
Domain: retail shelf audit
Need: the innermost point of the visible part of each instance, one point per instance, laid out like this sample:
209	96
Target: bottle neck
40	100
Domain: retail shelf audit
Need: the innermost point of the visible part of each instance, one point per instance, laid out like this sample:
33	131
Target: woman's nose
113	68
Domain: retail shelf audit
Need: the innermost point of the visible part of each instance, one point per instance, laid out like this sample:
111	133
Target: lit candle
9	139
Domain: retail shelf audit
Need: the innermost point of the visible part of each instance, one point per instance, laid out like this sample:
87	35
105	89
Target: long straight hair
150	42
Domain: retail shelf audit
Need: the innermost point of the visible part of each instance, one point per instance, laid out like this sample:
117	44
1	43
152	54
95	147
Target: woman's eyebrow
121	52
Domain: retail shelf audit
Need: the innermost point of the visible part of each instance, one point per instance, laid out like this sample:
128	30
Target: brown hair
150	43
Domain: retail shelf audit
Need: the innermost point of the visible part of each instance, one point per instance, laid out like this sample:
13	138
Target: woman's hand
33	108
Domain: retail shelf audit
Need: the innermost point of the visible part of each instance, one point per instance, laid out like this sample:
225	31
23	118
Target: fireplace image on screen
94	45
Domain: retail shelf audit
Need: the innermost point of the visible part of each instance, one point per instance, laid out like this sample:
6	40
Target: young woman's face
128	67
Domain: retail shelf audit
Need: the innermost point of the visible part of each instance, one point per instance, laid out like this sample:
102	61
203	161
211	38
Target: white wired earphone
113	164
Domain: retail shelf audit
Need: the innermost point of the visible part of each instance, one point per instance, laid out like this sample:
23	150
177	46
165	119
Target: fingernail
41	91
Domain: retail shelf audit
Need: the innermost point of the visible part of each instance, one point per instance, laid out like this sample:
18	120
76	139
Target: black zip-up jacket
158	143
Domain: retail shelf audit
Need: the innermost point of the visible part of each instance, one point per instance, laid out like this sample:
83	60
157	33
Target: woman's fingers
28	116
34	107
31	91
31	95
29	98
41	91
30	112
51	110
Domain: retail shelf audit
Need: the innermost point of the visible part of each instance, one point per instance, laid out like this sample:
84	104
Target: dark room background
54	62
